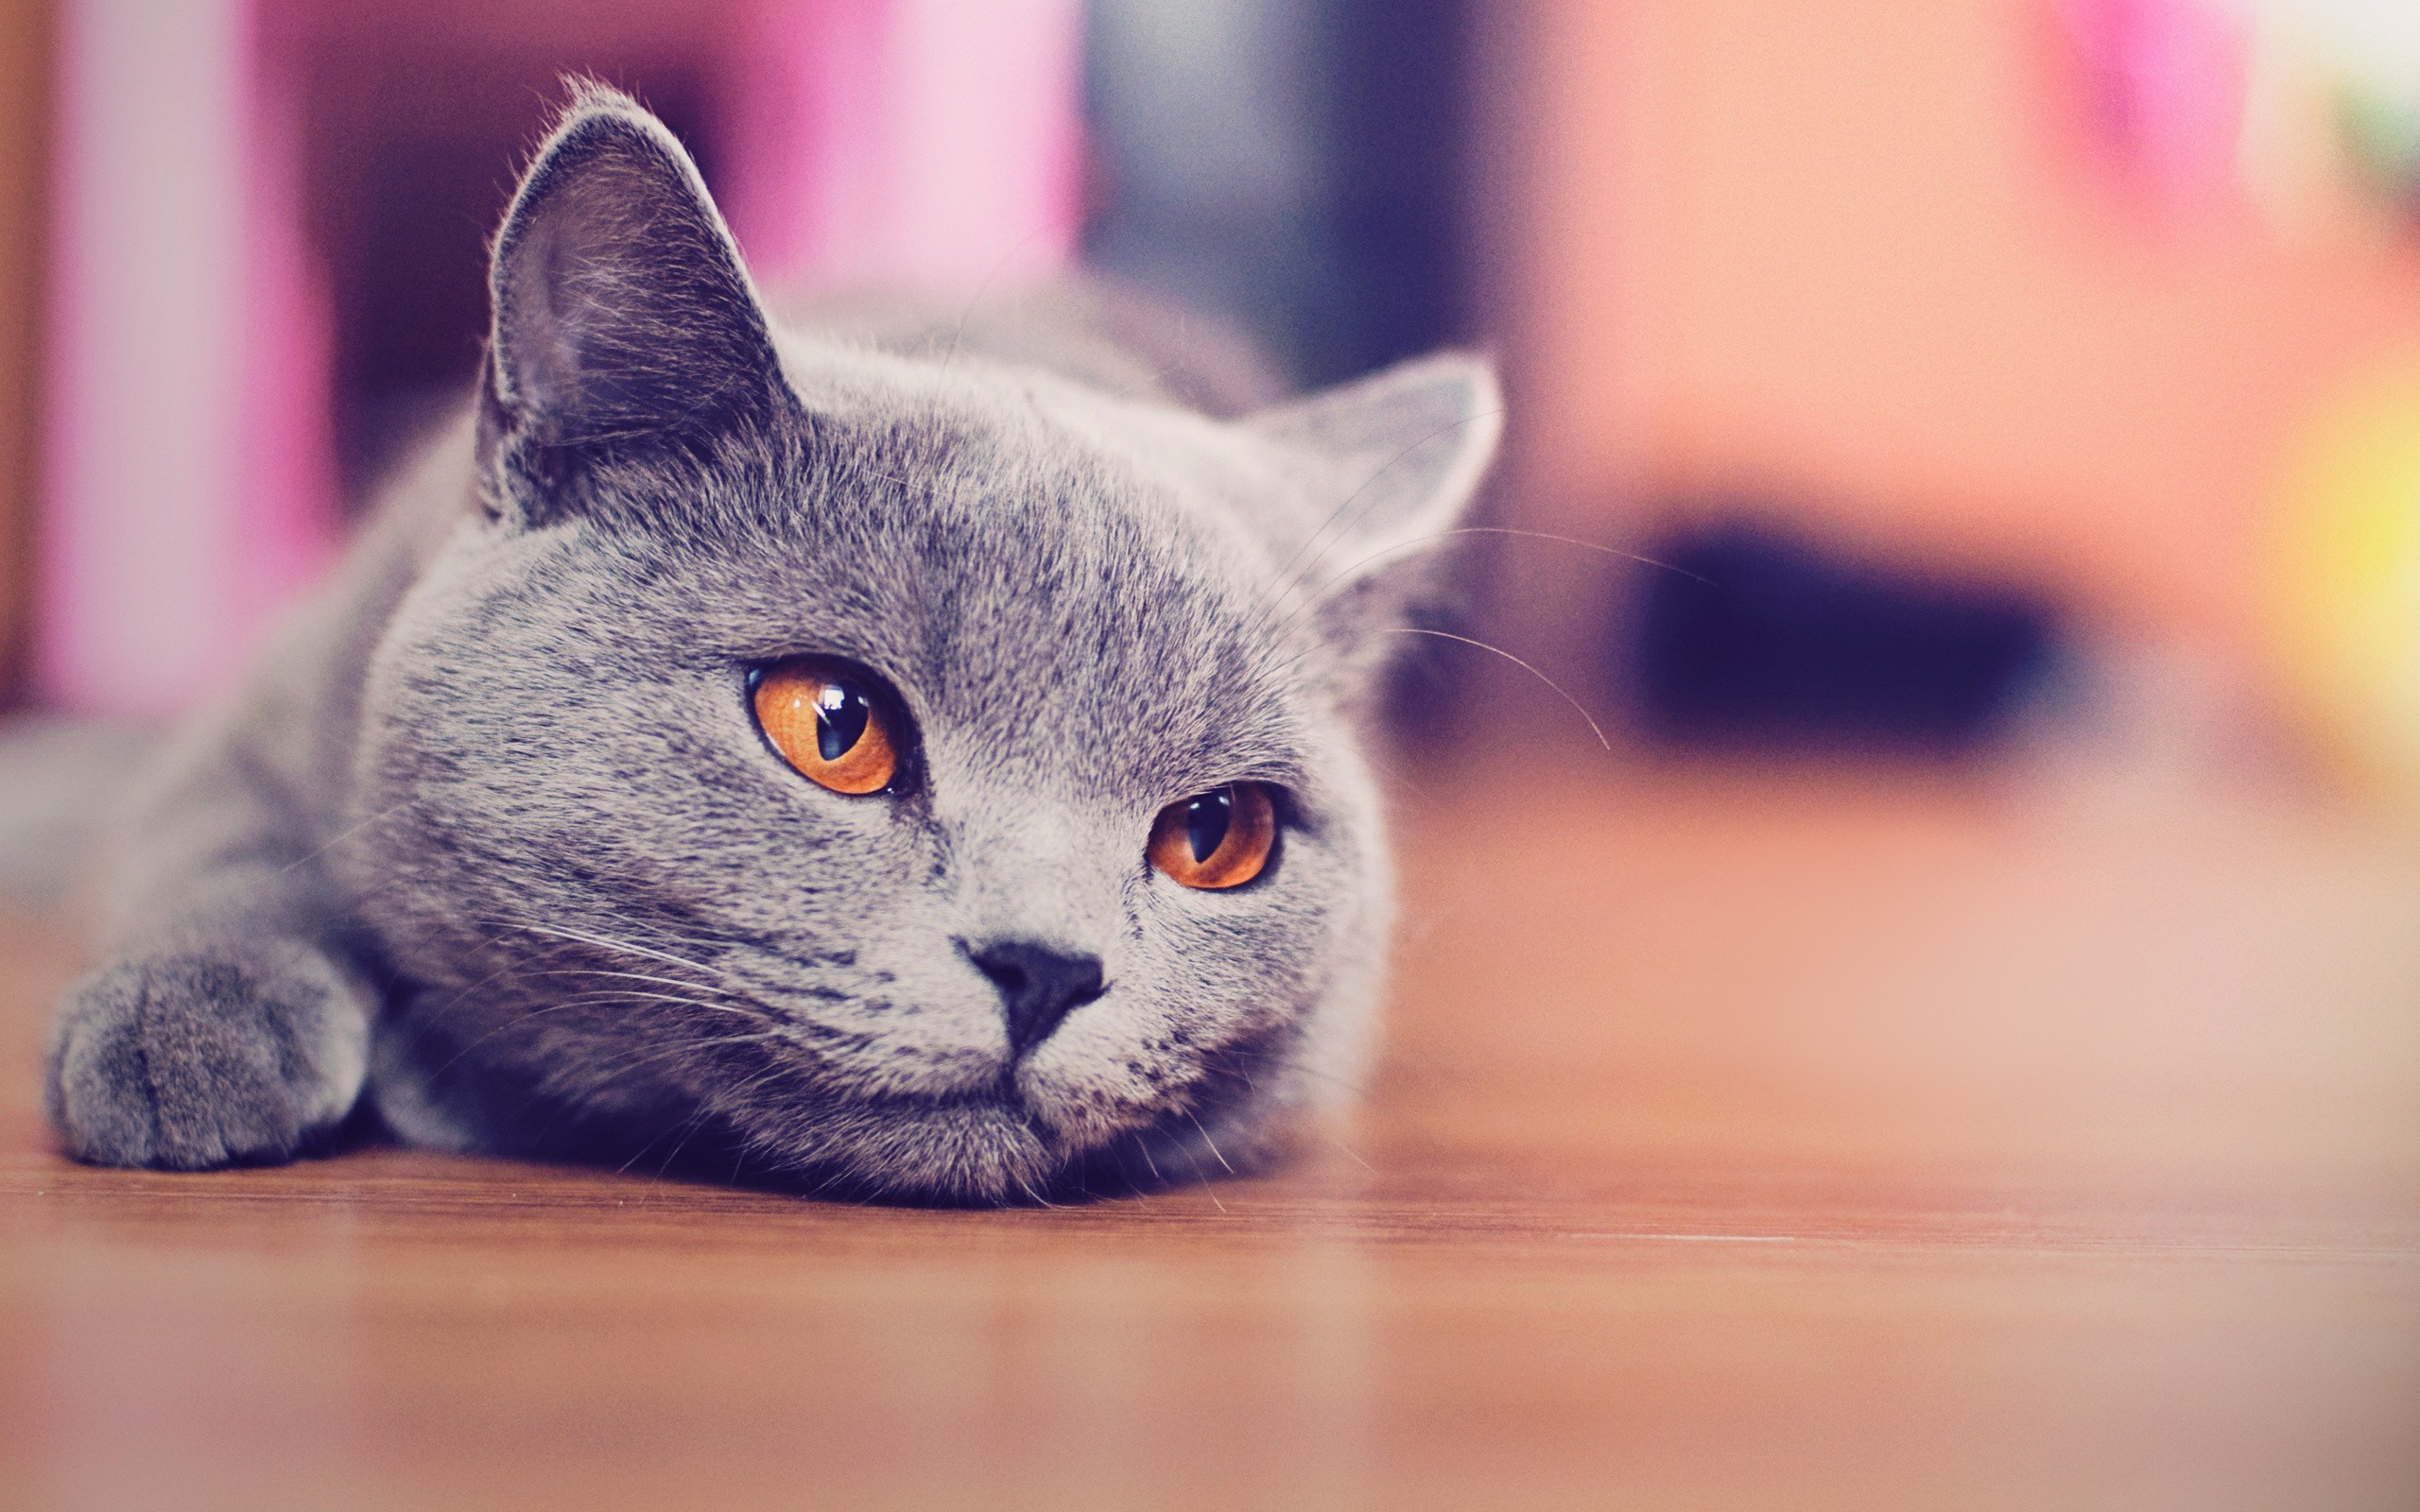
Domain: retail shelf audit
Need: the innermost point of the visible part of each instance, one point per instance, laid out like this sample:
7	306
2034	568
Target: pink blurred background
224	174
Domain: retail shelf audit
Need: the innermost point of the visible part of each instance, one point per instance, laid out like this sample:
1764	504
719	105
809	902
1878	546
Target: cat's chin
965	1152
992	1151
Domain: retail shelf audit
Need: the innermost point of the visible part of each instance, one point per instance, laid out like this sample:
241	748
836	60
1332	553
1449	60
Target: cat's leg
227	1024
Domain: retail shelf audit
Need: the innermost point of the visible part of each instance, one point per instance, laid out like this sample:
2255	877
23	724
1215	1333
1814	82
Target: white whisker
621	995
1288	570
620	976
604	942
1208	1141
1578	707
379	817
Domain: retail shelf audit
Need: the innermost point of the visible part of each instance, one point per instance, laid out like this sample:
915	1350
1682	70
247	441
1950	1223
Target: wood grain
1740	1144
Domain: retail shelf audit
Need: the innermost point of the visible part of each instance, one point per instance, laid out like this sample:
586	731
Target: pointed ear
626	328
1408	448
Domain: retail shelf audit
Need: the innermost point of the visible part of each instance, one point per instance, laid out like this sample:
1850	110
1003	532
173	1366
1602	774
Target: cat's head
929	777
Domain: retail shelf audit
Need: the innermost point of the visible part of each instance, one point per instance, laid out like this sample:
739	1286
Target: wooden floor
1740	1144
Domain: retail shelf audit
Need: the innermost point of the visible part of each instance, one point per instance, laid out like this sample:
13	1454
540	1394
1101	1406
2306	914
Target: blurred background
1954	1033
2029	384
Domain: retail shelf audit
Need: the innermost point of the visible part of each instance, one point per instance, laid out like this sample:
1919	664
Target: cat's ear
1409	447
626	327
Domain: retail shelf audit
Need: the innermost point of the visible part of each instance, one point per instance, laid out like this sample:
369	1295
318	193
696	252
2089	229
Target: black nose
1038	986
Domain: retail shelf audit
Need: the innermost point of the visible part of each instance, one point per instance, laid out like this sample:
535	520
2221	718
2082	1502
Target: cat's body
494	837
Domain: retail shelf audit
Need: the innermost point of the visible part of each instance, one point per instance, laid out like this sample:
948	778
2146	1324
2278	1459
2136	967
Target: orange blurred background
1864	260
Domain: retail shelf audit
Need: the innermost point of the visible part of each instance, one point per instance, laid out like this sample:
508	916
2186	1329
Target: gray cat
924	776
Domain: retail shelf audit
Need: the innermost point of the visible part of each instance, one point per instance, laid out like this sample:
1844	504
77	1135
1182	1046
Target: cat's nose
1039	987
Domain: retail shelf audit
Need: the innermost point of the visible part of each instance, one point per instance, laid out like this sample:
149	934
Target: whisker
999	266
524	1016
604	942
650	1055
622	1064
1351	572
1366	484
379	817
708	1106
640	1152
1280	631
349	906
1208	1140
714	1102
568	1100
1202	1178
627	994
1355	1154
430	1017
1577	708
619	976
1355	1087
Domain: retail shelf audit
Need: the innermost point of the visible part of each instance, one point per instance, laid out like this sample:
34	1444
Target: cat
884	766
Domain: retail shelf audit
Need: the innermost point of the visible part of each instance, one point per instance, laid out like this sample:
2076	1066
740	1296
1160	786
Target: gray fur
497	810
58	776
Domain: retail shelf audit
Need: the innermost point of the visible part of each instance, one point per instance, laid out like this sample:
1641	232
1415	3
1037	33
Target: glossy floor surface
1739	1144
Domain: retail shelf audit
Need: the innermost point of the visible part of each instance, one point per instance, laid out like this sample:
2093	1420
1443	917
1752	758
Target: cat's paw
207	1056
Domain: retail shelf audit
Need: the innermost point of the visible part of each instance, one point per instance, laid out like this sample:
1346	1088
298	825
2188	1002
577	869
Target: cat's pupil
1206	822
841	715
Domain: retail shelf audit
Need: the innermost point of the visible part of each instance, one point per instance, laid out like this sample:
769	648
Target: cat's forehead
1028	581
972	425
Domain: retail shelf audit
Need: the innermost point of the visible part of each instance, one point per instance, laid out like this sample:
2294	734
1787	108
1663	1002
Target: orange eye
1220	839
825	721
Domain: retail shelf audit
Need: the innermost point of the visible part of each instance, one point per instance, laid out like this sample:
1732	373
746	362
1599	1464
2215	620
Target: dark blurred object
1762	641
25	116
411	198
415	125
1293	166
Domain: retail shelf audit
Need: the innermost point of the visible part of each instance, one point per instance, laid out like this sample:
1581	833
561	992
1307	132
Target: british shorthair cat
893	766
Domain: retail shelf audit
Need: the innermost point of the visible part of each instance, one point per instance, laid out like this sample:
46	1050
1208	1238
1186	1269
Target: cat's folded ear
1408	448
626	328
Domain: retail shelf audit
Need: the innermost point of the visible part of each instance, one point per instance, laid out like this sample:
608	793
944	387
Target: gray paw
208	1056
